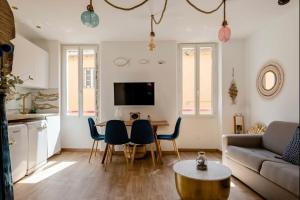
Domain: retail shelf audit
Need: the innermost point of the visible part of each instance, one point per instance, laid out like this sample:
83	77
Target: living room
218	84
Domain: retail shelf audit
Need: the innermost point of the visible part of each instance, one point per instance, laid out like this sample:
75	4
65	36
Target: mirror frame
276	69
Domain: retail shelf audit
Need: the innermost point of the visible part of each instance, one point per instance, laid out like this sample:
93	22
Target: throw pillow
292	151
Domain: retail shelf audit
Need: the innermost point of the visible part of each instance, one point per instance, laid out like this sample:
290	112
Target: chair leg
133	154
125	154
107	157
111	152
92	151
96	148
152	153
176	149
160	150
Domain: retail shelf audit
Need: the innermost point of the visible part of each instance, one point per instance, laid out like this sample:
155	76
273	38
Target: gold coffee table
193	184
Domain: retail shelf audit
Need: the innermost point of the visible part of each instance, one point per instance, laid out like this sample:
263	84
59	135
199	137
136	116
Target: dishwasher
37	145
18	147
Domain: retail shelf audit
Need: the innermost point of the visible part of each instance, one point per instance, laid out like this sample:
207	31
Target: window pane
89	80
72	59
188	81
205	76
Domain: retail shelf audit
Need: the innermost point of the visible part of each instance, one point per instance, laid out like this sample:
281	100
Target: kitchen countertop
15	118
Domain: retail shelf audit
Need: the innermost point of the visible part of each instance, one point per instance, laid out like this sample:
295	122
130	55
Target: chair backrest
116	132
142	132
93	129
177	128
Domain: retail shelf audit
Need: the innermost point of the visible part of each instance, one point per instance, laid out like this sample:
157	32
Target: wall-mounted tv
134	94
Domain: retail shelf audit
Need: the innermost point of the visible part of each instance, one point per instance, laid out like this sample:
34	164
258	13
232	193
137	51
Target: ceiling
60	20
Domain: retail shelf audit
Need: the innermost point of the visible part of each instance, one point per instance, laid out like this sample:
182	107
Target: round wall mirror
270	80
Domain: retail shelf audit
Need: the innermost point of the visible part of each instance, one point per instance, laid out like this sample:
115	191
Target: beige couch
253	160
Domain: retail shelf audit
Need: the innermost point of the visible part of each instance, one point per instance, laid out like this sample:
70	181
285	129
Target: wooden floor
69	176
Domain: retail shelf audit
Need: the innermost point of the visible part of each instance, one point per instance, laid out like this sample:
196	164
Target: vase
6	182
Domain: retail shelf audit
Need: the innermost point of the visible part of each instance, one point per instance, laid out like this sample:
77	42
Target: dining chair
95	136
172	137
116	134
142	134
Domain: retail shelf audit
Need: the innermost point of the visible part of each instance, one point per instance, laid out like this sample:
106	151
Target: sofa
256	161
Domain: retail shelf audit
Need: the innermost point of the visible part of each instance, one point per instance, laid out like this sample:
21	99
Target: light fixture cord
128	8
204	11
162	14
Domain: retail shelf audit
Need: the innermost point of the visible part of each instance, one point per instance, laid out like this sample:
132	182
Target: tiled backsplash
45	101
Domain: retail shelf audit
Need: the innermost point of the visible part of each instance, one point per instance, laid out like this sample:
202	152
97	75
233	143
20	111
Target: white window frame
80	79
214	93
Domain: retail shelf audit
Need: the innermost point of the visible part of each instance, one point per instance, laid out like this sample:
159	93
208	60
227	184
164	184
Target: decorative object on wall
89	18
238	124
161	62
121	62
224	33
7	83
270	80
135	115
233	91
144	61
258	128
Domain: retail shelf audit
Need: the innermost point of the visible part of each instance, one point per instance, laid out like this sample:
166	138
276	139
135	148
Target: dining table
155	125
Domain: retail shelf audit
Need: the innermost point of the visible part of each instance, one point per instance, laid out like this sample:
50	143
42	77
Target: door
37	145
79	92
18	147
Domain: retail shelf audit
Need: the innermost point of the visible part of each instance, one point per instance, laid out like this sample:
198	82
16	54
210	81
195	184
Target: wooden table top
129	123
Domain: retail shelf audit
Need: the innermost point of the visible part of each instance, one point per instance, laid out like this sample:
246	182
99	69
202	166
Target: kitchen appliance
37	145
18	147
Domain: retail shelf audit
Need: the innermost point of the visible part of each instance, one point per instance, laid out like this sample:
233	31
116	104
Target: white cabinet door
37	145
53	134
18	148
31	60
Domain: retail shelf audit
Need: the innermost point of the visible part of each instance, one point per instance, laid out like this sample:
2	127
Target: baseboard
165	152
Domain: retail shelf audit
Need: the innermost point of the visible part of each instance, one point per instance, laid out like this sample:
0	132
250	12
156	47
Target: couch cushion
251	158
285	175
292	152
278	136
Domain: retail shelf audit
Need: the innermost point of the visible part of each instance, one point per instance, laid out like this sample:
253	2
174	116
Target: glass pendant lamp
89	18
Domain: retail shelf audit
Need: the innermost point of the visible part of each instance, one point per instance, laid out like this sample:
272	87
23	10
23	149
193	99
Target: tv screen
134	93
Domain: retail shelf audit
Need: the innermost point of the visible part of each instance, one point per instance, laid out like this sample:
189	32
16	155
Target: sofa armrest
250	141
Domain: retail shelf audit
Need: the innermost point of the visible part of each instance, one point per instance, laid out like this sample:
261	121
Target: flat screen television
134	94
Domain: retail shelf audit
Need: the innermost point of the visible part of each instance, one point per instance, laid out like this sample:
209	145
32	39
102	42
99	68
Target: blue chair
116	134
142	134
95	136
172	137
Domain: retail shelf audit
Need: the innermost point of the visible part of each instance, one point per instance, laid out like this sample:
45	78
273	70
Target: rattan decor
7	22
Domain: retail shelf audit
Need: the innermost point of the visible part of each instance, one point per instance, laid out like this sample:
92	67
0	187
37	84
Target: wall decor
233	91
7	83
238	124
270	80
121	62
144	61
135	115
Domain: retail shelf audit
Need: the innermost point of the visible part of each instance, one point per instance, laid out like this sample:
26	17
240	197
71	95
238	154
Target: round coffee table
193	184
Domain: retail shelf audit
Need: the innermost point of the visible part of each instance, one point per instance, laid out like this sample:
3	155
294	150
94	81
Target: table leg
104	154
158	149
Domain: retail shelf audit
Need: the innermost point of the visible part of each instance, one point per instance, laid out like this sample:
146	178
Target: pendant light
225	32
152	44
89	18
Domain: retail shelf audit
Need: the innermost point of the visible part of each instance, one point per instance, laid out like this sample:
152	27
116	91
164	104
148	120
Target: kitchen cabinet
53	135
37	145
30	60
18	139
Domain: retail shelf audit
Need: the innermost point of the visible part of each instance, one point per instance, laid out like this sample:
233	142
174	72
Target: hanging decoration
224	32
89	18
233	91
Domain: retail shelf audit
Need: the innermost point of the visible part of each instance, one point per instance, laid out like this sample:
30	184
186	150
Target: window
197	67
81	80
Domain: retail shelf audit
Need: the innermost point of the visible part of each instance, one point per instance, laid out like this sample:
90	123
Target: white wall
233	56
164	76
277	41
